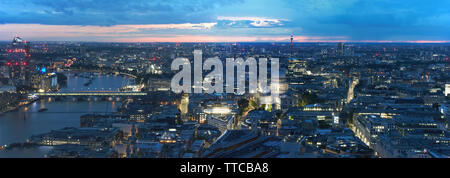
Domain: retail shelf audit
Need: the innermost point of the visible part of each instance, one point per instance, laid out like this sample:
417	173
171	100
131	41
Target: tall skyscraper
292	44
292	41
18	61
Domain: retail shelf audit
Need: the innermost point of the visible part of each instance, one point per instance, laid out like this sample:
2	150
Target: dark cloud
107	12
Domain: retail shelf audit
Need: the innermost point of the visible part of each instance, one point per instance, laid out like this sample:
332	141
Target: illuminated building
219	114
219	108
292	43
392	146
319	107
18	62
184	104
127	129
292	40
368	127
91	137
351	89
149	149
4	71
243	144
58	64
424	126
158	84
169	137
6	88
340	48
44	81
307	119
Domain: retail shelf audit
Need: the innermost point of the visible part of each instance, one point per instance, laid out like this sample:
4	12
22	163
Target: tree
308	98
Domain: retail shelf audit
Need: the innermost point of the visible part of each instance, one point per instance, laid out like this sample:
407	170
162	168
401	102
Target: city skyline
224	79
227	21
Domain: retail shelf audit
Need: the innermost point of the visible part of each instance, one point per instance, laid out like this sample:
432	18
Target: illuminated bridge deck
90	94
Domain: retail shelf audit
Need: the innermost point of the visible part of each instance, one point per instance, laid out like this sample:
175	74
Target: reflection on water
19	125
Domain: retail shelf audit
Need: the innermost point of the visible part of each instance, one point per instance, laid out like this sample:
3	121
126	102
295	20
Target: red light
16	64
24	63
9	51
446	58
8	63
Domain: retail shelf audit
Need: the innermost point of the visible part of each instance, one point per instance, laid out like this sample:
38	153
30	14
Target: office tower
292	44
18	61
292	40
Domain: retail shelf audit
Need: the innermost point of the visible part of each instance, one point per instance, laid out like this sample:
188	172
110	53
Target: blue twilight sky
226	20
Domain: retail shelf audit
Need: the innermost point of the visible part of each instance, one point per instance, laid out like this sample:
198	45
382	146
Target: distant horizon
279	42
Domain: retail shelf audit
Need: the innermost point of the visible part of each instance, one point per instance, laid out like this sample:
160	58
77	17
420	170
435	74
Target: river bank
18	125
21	104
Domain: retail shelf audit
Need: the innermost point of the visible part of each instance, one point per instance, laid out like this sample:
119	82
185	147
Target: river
18	126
